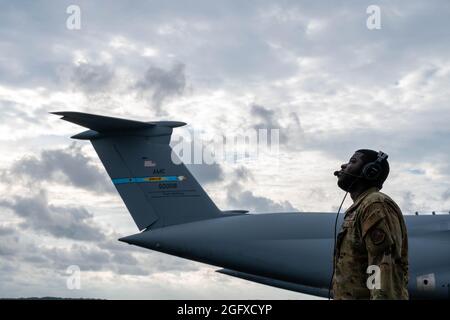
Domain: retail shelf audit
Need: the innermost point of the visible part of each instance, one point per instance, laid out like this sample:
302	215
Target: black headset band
381	157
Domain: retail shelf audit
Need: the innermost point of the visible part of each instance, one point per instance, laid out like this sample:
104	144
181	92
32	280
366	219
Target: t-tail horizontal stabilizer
156	187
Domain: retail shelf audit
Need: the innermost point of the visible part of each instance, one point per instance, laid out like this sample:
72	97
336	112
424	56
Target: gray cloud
265	34
206	173
64	166
87	258
267	115
244	174
408	202
290	132
160	84
10	111
269	120
8	243
92	78
238	198
6	231
106	254
417	171
66	222
17	116
446	195
401	143
95	258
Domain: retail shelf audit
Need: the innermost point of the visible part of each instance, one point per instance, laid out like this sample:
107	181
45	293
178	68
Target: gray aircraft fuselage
297	248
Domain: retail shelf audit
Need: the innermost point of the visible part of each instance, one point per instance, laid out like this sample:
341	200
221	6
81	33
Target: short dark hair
370	156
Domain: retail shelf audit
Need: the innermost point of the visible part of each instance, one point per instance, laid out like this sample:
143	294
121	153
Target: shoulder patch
377	236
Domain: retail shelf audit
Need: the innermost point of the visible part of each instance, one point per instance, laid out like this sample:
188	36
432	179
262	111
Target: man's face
352	168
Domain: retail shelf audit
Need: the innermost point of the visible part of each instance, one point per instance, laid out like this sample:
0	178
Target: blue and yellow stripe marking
148	179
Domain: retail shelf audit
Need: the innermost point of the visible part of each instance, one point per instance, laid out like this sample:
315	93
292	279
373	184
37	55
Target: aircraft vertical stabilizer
157	191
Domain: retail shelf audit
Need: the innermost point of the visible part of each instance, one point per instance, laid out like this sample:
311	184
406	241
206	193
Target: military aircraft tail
156	187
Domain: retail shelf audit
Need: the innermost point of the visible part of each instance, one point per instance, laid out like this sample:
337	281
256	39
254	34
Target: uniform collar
361	197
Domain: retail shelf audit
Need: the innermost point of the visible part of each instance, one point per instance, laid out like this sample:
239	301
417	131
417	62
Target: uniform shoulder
375	207
379	200
377	196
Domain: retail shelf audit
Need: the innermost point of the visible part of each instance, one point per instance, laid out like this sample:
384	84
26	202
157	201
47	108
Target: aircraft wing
321	292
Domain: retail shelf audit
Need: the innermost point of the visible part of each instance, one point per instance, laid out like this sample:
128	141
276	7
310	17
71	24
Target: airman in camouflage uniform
373	233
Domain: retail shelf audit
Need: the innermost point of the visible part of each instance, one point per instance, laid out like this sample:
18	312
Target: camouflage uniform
373	233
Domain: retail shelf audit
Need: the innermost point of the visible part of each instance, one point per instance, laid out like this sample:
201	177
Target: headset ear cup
371	171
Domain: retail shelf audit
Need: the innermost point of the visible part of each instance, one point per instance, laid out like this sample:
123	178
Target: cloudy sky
311	69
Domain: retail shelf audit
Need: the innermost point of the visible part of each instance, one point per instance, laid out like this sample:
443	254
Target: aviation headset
371	171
